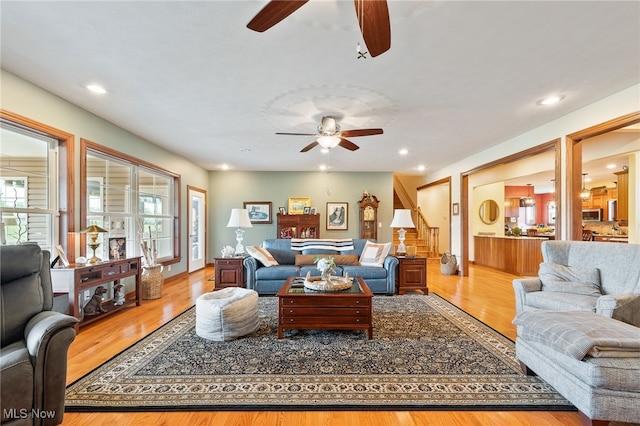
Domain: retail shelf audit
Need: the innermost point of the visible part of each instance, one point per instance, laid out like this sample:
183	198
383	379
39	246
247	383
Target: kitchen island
515	255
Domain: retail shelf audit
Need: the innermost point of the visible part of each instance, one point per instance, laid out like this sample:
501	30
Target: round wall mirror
489	212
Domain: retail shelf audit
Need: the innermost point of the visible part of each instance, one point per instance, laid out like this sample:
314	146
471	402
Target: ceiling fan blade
298	134
308	147
361	132
348	144
373	18
274	12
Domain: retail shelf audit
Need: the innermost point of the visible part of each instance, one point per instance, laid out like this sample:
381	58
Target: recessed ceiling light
96	89
322	167
324	150
550	100
403	151
421	168
611	166
225	167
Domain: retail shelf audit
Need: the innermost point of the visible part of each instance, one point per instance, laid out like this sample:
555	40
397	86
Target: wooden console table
80	283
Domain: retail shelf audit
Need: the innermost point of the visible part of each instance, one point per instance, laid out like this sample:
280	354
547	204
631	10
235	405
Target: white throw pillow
373	254
262	255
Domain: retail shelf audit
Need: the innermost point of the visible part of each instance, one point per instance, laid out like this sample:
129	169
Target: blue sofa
268	280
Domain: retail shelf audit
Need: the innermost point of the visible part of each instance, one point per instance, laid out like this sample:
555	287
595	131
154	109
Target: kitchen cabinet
511	207
623	196
515	255
596	201
611	238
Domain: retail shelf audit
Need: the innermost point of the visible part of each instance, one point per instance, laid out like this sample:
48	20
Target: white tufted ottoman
227	314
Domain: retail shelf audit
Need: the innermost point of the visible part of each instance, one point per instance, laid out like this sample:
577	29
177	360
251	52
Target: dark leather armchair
35	339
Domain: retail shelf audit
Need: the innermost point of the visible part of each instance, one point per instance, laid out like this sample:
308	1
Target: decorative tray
334	284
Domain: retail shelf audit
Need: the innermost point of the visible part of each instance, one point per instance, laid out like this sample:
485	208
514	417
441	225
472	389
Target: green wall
21	97
230	189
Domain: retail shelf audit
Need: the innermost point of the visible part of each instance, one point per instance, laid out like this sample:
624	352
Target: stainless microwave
591	215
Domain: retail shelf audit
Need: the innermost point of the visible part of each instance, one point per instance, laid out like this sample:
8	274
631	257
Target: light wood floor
485	294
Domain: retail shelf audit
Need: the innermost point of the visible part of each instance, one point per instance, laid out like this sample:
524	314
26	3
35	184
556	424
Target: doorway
467	210
196	220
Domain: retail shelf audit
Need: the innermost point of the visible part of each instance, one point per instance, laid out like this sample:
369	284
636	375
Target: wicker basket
152	281
448	264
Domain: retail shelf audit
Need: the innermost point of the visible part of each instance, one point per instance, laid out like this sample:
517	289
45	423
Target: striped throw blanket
300	244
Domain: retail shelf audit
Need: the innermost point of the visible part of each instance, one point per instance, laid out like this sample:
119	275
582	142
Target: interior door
197	228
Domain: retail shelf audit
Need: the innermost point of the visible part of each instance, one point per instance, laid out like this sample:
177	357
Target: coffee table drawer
324	313
322	322
325	301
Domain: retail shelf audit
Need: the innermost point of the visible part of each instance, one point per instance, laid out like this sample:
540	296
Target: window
130	199
28	186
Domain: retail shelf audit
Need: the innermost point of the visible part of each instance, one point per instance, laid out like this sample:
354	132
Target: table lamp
239	218
402	219
93	232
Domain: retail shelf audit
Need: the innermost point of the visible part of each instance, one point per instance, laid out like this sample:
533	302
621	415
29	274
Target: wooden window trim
66	177
87	145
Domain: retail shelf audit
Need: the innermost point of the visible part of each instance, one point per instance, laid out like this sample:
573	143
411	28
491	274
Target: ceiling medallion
354	107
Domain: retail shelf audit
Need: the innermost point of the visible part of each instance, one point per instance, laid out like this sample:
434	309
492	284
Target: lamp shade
239	219
93	228
402	219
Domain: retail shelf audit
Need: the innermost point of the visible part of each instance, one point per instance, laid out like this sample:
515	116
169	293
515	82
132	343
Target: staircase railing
429	236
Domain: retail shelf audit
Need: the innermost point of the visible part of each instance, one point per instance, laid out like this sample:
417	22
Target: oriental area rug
426	354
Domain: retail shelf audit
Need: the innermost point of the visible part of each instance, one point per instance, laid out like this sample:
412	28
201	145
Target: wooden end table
303	309
412	274
229	272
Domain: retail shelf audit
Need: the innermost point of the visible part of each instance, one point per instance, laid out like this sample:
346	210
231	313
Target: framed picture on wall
297	204
259	211
337	216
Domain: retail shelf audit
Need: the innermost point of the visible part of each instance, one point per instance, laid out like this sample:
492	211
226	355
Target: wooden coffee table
303	309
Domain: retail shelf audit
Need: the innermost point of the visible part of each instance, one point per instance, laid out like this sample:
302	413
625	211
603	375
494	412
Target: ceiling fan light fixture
329	141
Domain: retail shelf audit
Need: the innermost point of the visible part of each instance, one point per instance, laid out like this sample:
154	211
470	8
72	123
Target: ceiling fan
373	15
329	135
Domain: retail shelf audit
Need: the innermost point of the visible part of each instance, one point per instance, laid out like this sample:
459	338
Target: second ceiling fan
373	19
329	135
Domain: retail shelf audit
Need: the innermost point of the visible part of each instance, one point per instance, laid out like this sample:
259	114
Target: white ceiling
459	77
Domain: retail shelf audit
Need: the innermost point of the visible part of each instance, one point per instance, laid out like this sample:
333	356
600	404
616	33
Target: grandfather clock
368	216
